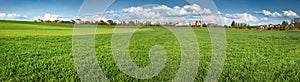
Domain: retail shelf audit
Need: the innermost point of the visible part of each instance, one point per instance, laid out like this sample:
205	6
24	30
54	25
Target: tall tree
233	24
284	25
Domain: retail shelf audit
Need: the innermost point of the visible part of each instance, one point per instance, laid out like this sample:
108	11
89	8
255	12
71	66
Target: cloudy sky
246	11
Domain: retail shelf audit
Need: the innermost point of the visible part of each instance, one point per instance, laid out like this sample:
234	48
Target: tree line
283	26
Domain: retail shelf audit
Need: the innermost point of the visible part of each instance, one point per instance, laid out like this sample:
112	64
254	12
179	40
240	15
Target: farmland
43	52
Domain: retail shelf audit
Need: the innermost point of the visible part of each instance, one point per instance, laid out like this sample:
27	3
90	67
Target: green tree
204	25
225	26
297	24
233	24
248	26
284	25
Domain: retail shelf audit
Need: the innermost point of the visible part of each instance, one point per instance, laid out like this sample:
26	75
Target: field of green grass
43	52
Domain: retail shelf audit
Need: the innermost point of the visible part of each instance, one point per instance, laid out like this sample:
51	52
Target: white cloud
219	12
242	17
290	13
37	17
247	17
176	7
182	14
211	18
162	11
51	17
176	14
276	14
264	18
269	13
11	16
232	16
152	13
2	15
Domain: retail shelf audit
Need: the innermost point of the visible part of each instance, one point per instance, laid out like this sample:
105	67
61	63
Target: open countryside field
43	52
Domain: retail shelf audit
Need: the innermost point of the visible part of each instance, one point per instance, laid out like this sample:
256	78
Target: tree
297	24
248	26
233	24
101	22
225	26
244	26
204	25
284	25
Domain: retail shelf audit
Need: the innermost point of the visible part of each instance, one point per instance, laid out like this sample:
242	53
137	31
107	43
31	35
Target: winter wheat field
43	52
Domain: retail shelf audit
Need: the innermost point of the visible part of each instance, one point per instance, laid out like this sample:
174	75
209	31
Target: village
285	25
197	23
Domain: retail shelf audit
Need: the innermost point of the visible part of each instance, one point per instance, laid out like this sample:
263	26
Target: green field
43	52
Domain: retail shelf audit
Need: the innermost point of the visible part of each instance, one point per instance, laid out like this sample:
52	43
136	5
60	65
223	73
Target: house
198	23
39	20
118	22
271	25
110	22
296	20
212	25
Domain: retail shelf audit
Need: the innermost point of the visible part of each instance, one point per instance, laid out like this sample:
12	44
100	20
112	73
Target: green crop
43	52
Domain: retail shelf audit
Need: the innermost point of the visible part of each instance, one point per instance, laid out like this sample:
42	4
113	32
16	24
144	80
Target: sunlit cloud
12	16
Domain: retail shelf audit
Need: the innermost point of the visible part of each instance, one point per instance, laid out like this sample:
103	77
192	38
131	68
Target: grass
43	52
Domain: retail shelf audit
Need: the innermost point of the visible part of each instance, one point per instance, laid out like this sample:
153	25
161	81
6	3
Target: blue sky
246	11
237	6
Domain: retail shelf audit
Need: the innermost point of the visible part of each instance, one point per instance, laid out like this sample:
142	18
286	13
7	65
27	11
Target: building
109	22
39	20
118	22
271	25
296	20
198	23
212	24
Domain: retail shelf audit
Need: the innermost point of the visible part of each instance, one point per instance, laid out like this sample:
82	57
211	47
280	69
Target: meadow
43	52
